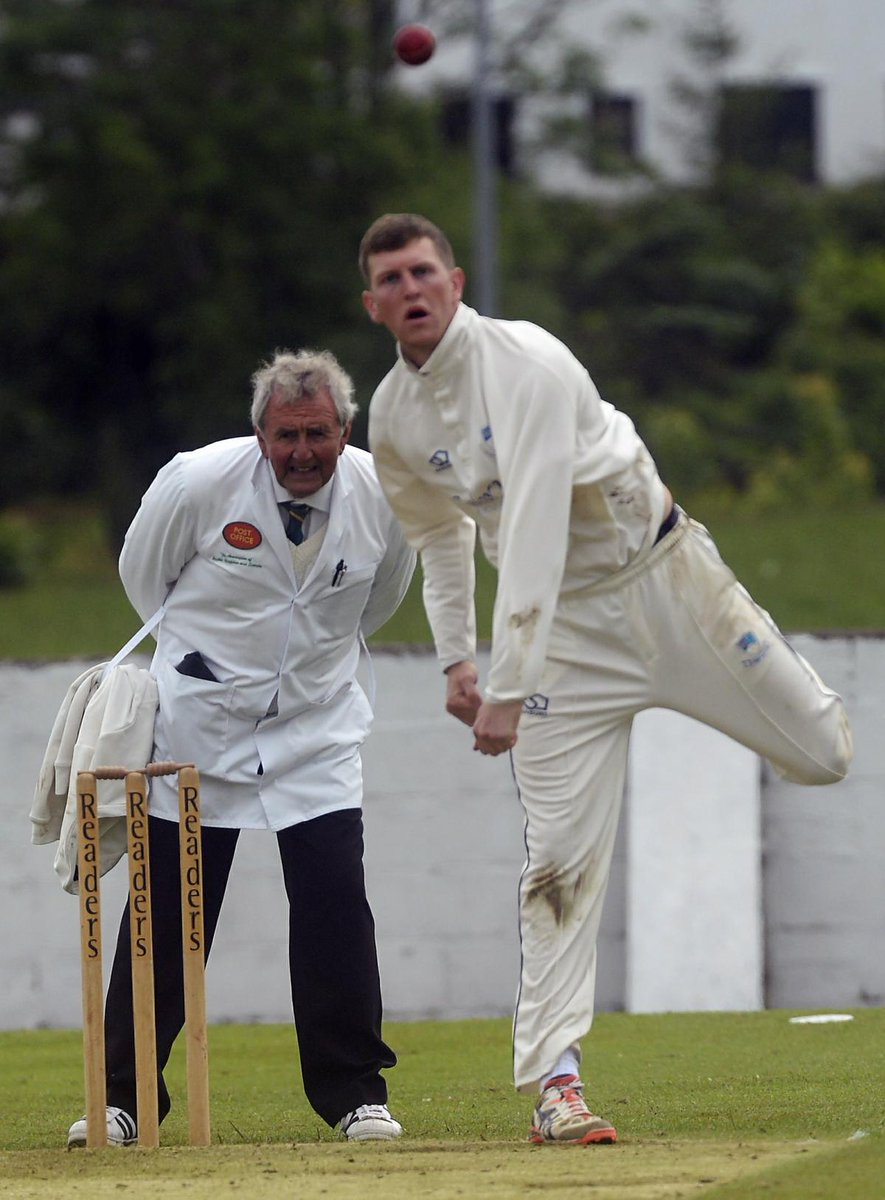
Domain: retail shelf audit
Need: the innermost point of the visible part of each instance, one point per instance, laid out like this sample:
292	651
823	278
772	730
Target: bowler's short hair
395	230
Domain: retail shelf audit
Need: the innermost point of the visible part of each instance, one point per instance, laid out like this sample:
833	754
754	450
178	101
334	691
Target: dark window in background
456	126
613	141
769	127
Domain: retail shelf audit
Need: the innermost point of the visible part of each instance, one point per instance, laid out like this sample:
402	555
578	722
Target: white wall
724	895
824	879
694	923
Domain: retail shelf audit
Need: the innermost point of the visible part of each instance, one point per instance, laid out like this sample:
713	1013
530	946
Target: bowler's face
415	295
303	440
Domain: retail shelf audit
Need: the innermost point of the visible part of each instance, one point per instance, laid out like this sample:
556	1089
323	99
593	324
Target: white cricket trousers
672	630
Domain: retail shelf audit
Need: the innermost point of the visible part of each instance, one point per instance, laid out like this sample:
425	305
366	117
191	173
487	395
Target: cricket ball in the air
414	44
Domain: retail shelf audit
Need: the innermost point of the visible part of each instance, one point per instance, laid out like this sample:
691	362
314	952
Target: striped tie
295	524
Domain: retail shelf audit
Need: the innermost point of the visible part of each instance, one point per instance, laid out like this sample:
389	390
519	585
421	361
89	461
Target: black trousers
333	966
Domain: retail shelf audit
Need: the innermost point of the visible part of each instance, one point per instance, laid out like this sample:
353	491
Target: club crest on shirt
440	460
242	535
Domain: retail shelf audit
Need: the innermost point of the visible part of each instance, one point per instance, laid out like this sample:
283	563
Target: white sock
568	1063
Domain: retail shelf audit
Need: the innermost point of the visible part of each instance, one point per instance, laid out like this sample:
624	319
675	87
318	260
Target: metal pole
485	224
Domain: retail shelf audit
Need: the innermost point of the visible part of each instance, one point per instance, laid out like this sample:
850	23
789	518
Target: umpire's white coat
276	735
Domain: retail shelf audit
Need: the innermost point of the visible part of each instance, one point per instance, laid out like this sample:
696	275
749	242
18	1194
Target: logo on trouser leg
752	649
536	705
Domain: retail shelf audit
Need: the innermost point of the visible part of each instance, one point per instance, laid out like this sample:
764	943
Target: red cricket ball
414	44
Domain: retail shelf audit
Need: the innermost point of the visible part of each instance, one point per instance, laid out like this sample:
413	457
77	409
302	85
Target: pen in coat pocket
339	572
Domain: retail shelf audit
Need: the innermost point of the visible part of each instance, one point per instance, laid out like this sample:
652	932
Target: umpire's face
303	440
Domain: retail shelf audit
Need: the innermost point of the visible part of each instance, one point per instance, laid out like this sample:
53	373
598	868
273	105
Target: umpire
279	555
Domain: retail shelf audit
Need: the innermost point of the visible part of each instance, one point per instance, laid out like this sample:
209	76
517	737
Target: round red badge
242	535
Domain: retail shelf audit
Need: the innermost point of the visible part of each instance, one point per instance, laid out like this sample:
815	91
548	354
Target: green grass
741	1075
811	570
798	1109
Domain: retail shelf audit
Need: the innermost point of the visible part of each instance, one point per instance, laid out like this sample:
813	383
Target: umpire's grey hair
294	376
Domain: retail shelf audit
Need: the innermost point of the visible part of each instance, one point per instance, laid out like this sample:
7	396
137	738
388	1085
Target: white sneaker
121	1130
369	1122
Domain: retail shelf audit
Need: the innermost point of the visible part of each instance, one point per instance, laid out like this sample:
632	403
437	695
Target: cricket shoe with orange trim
563	1117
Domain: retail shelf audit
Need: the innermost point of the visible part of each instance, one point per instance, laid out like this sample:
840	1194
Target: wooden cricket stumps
142	950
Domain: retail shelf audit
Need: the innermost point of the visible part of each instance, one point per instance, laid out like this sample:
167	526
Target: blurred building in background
626	91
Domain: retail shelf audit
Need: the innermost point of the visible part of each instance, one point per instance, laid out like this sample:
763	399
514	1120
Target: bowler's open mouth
416	313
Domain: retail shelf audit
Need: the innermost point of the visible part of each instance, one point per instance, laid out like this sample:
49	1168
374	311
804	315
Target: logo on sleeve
440	460
241	535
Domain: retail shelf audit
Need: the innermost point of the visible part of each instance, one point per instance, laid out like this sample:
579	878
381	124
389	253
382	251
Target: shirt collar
449	347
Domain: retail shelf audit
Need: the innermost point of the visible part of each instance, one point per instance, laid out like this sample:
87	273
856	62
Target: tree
839	334
183	190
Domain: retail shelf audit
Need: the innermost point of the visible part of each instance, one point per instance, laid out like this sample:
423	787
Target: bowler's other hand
463	697
495	727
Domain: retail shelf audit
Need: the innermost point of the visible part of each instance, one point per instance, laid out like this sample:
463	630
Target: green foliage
184	190
840	333
661	303
824	471
19	550
186	194
705	312
683	448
